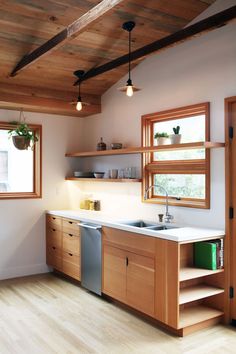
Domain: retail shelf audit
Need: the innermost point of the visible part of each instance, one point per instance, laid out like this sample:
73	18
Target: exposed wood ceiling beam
72	31
210	23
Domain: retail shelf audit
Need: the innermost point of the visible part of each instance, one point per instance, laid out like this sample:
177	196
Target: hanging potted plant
22	135
161	138
176	137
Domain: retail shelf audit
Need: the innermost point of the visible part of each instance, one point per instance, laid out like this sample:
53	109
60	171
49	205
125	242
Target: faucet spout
168	216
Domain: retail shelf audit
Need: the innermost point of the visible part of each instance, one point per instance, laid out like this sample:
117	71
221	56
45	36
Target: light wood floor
46	314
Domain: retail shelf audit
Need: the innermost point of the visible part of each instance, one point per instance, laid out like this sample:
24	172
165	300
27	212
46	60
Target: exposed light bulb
79	105
129	90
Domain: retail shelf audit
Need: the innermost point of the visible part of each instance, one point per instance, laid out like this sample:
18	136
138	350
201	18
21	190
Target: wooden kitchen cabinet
153	275
63	245
158	277
129	276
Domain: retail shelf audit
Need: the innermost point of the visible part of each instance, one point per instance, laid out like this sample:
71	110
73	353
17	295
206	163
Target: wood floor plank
45	314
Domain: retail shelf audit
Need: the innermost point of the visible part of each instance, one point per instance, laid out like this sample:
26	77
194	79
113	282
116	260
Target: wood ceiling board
102	42
45	105
65	96
71	31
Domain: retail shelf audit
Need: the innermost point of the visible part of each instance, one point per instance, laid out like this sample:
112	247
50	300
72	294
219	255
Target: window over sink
20	170
185	174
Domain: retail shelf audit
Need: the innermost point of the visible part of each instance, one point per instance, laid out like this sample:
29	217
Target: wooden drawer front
71	243
54	221
141	283
70	226
54	237
54	258
129	241
71	265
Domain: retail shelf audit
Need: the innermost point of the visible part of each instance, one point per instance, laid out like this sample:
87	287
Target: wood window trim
201	166
37	167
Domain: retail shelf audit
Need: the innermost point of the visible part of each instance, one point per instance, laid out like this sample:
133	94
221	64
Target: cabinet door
140	283
114	272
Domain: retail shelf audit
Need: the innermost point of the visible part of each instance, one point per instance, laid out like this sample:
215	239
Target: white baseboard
16	272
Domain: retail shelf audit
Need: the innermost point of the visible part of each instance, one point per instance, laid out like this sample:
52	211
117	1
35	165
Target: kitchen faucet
168	216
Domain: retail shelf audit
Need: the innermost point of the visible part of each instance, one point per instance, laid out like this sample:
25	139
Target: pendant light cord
129	53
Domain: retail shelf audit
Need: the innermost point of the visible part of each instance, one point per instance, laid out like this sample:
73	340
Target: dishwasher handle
93	227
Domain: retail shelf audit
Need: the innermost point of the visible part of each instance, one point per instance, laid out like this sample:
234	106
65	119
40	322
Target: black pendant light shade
129	88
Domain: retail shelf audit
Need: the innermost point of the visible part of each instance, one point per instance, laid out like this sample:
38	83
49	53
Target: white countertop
179	233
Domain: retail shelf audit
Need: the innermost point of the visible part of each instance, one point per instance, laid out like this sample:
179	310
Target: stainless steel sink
161	227
138	223
149	226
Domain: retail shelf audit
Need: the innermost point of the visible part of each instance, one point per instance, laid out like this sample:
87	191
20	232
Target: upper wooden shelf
140	150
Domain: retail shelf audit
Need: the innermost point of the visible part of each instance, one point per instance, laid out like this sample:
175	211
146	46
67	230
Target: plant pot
175	138
20	142
162	141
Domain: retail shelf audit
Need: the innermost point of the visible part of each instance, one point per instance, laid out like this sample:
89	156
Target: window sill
179	203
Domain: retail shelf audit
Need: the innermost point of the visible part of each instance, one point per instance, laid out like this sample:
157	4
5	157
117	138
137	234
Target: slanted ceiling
47	84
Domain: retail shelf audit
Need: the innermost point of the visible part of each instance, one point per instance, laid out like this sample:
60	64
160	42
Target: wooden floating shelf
196	314
197	292
140	150
192	273
121	180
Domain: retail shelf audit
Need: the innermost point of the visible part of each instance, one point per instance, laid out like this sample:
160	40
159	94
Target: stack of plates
81	174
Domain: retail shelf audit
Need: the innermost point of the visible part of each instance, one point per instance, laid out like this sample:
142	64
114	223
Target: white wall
199	70
22	222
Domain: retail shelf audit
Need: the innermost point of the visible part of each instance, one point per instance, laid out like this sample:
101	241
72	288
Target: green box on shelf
205	255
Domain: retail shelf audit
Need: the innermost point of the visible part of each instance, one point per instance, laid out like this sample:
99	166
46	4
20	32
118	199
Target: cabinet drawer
71	265
54	221
71	243
54	258
70	226
129	241
53	237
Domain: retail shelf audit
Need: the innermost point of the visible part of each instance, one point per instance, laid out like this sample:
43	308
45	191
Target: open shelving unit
138	150
201	292
141	149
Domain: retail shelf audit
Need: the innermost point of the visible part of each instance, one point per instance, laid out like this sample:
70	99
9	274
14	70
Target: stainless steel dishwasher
91	257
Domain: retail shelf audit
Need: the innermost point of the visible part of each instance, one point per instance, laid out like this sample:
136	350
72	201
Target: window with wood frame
20	170
185	174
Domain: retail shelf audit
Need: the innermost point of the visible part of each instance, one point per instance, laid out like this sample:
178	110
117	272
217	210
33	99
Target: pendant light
129	89
79	103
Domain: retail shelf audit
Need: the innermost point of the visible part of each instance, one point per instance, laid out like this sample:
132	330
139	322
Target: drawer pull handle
53	248
70	254
127	261
70	235
53	229
54	218
70	222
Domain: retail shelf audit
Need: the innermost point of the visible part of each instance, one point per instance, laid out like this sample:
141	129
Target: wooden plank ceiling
47	84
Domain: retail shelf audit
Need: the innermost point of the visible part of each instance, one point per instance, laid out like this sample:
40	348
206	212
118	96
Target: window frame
193	166
37	166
